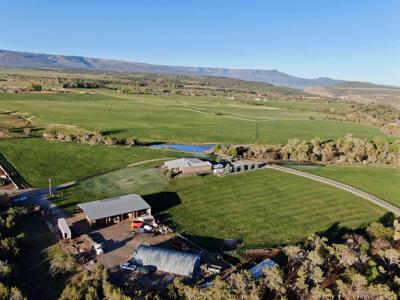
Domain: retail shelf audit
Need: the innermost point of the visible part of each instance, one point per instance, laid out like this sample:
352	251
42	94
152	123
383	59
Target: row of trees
91	138
92	285
11	242
344	150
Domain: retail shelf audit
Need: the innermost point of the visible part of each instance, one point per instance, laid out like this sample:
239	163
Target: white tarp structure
167	260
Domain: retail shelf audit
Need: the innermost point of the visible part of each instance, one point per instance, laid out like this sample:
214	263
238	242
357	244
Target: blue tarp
257	270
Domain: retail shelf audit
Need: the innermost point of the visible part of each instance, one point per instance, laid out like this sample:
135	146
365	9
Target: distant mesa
15	59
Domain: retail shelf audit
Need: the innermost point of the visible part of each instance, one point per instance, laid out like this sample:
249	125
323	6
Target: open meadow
260	208
37	160
381	181
205	119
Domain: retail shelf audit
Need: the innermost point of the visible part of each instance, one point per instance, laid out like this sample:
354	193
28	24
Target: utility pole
257	132
50	187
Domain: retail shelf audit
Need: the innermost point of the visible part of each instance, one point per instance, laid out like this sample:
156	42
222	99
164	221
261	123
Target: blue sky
346	39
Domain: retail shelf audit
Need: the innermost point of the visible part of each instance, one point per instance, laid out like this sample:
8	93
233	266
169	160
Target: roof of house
187	162
257	270
113	206
168	260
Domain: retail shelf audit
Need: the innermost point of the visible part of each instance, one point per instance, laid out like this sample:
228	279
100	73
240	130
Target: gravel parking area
118	240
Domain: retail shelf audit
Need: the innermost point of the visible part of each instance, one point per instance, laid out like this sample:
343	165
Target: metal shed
132	205
167	260
64	228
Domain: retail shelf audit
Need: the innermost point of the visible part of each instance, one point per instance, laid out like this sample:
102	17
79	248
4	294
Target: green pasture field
37	160
260	208
381	181
180	118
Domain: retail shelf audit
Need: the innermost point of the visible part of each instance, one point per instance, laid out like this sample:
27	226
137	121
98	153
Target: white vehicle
98	248
148	228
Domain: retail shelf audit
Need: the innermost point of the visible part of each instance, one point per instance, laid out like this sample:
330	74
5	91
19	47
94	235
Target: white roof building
189	166
64	228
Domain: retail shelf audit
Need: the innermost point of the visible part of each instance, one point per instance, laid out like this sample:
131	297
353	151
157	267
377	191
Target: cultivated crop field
182	118
261	208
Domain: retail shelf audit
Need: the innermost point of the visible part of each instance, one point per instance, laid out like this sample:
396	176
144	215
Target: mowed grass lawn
37	160
381	181
261	208
180	119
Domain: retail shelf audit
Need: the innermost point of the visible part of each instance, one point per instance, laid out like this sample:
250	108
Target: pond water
200	148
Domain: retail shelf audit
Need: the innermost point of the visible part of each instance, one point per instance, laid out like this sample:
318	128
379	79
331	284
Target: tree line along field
381	181
37	160
260	208
181	118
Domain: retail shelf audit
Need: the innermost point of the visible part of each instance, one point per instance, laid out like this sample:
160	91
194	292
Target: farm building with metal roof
168	260
188	166
115	209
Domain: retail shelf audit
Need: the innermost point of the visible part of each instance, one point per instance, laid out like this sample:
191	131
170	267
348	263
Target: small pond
200	148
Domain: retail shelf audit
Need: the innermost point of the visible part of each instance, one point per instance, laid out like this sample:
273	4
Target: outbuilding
246	165
64	229
188	166
115	209
257	270
168	260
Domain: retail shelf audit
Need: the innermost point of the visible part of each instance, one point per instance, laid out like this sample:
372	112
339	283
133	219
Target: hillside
14	59
360	91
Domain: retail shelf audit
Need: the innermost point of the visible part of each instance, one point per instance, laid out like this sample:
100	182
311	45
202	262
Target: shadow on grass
147	144
160	202
114	131
210	243
335	233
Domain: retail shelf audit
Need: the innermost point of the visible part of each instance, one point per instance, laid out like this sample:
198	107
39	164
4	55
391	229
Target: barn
114	210
188	166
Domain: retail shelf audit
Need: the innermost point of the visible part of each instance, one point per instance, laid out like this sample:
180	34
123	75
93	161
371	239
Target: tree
376	230
341	289
358	285
300	285
35	87
344	255
391	256
5	270
318	293
7	293
381	292
294	253
274	281
61	262
27	131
